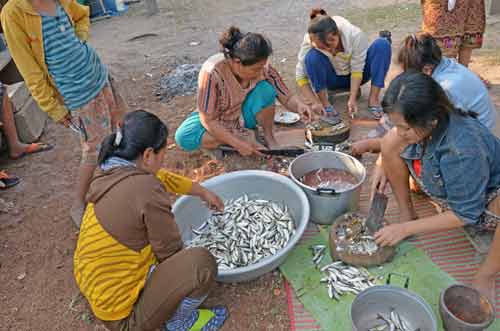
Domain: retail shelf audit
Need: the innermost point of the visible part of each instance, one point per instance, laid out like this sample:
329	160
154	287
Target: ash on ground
182	80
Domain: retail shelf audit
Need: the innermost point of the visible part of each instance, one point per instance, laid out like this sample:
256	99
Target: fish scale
246	232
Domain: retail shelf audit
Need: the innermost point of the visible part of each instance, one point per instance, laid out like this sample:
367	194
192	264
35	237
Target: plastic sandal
7	181
202	320
376	112
210	319
33	149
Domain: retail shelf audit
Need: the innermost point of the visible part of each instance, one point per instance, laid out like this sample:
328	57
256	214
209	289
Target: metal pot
417	314
328	204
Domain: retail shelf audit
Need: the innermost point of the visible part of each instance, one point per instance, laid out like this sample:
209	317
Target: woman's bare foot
486	285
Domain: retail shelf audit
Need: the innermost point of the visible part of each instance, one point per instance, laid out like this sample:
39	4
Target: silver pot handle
326	191
407	279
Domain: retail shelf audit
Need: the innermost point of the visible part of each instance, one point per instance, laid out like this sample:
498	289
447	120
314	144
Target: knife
377	212
282	151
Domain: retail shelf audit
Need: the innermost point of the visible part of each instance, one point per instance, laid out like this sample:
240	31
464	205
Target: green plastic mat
426	279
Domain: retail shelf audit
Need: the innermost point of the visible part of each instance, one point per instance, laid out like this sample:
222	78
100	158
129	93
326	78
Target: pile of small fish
354	237
393	322
340	277
246	232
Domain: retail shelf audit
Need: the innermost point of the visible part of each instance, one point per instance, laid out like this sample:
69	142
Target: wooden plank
290	138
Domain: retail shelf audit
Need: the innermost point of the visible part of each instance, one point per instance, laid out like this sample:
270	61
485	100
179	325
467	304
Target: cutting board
287	138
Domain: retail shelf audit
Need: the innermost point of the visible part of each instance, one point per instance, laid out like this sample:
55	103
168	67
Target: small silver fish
246	232
341	278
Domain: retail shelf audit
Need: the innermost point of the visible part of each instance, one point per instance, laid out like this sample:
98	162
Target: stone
18	94
30	122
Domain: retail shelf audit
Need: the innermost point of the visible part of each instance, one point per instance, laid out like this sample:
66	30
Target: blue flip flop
376	112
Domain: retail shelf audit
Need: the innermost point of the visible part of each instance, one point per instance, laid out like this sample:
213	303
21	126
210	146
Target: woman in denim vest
453	158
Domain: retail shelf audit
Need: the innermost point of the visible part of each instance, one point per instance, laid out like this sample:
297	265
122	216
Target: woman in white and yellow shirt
335	54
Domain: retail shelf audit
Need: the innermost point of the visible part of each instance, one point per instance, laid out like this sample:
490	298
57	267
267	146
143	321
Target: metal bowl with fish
352	242
391	308
265	216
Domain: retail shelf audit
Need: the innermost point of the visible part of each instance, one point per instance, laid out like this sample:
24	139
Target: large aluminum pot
413	309
191	213
327	204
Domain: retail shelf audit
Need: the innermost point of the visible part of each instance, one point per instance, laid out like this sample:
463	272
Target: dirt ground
37	238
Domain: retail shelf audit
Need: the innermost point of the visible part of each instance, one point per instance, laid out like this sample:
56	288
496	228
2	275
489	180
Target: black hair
315	12
250	48
419	50
420	99
321	26
140	130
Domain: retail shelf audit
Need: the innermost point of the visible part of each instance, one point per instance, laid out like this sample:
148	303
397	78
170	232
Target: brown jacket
133	207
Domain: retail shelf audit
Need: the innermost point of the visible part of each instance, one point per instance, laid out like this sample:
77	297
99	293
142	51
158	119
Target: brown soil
37	238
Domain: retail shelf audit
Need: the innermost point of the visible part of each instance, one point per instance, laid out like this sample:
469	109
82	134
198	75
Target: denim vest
460	165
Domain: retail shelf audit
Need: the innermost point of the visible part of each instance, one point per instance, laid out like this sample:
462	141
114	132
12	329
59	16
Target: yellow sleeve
357	74
174	183
36	79
81	16
302	81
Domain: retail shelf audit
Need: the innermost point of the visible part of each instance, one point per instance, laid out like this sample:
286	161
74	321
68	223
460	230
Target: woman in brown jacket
130	263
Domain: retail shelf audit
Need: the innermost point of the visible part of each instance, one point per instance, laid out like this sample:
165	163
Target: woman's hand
391	235
352	106
359	148
213	201
246	148
66	120
318	109
305	112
